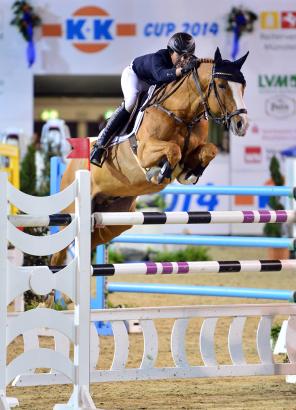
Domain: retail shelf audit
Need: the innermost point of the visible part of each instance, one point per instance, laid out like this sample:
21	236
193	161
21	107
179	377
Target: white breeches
131	87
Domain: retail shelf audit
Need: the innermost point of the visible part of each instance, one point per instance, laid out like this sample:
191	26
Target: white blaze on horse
171	141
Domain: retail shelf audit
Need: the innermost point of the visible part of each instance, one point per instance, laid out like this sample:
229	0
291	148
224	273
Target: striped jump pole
159	218
204	240
151	268
31	221
219	291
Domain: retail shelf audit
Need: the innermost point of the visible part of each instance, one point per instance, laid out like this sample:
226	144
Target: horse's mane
205	60
183	63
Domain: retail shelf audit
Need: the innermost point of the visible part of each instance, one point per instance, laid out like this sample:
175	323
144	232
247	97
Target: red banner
80	148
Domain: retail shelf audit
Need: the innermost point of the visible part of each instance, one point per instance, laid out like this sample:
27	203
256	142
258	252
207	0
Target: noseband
225	117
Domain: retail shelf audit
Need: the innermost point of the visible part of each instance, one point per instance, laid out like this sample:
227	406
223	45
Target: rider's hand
188	67
178	72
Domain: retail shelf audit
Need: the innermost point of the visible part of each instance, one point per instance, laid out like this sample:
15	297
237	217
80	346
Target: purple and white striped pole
161	218
151	268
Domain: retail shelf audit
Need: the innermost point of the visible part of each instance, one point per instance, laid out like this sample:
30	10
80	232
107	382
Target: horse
171	141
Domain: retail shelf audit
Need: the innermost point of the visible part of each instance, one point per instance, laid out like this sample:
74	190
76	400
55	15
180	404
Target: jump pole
218	291
160	218
205	240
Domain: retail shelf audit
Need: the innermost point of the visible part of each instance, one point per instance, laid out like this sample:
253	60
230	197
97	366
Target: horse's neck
204	73
186	98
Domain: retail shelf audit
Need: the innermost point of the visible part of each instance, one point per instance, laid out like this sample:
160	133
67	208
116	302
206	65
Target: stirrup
102	158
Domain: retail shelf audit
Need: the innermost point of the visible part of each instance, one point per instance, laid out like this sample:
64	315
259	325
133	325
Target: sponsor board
264	139
275	82
280	107
92	29
278	30
253	155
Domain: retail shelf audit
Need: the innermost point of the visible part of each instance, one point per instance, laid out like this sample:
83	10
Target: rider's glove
189	66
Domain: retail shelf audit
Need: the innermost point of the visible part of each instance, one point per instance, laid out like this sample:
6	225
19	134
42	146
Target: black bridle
225	117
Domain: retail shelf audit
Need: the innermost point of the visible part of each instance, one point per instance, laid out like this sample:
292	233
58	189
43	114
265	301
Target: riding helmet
182	43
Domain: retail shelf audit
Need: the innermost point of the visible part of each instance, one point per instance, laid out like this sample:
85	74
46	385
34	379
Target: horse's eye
223	86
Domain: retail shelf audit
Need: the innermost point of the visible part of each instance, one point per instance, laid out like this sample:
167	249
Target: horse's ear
217	57
239	63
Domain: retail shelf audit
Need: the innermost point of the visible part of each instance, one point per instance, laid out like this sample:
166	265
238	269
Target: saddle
130	129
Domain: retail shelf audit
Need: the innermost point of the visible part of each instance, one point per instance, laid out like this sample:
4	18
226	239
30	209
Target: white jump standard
78	327
74	281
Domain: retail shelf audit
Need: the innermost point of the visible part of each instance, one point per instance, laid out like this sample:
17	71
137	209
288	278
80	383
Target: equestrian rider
151	69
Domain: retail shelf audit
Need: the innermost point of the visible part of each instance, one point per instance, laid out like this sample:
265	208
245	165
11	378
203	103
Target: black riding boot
99	150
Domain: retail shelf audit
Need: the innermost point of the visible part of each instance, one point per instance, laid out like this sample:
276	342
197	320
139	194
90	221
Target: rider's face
179	58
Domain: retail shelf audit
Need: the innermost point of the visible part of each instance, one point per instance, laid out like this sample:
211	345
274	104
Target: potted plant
275	230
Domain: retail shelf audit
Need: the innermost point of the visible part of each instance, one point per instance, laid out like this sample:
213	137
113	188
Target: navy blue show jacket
156	68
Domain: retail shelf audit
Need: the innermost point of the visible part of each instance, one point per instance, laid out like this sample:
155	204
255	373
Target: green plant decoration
26	19
275	230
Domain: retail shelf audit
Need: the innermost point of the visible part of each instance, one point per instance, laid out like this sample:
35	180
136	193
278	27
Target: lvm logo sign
90	29
272	82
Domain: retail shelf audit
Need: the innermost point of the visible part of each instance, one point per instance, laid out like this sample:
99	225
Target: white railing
182	368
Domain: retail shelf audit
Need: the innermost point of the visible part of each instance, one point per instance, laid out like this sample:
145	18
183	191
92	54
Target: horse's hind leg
104	234
57	259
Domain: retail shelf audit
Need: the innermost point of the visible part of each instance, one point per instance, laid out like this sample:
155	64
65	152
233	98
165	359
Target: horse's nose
239	125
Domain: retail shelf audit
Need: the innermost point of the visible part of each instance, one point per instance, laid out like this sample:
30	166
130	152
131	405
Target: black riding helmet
181	43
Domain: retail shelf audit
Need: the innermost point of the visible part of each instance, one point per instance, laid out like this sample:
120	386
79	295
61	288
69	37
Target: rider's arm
161	73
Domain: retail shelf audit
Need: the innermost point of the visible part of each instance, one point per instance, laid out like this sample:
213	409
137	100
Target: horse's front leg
197	162
161	157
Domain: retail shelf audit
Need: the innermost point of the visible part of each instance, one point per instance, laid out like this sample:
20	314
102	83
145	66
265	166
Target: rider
151	69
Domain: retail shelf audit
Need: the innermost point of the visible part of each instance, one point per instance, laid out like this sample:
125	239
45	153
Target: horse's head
225	94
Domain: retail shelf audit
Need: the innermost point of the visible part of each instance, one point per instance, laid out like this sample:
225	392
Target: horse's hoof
191	180
165	172
161	179
152	173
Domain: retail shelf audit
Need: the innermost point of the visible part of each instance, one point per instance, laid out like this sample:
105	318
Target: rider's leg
118	118
131	86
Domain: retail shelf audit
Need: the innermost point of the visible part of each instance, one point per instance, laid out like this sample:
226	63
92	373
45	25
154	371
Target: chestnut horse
173	133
